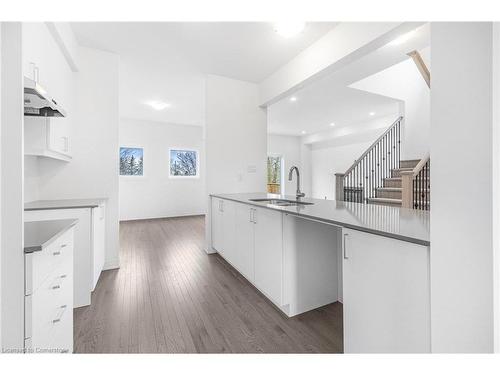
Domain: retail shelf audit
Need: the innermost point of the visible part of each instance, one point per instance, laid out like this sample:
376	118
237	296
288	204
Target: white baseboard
164	216
111	264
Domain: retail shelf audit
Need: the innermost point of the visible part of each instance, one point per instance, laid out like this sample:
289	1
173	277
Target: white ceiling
167	61
249	51
329	99
318	106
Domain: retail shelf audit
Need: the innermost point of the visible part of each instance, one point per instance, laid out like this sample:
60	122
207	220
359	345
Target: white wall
461	215
155	194
330	160
11	199
31	179
93	171
403	81
289	148
236	139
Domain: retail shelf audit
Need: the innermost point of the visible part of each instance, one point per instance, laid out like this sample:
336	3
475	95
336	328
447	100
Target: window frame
170	175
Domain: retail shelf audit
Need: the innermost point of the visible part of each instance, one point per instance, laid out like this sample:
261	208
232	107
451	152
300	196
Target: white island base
301	264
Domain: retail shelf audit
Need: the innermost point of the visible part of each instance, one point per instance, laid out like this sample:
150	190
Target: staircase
390	194
379	176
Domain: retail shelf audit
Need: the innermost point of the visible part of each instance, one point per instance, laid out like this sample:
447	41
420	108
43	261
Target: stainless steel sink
280	202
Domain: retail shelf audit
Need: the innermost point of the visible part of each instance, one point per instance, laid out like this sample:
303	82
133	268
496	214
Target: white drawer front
50	304
40	264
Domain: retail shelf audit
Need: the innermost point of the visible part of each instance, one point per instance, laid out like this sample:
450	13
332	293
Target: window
184	163
274	174
131	161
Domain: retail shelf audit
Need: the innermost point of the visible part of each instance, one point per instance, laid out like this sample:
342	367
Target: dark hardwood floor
169	296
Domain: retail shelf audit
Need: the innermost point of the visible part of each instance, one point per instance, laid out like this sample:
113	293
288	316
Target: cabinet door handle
56	287
56	253
251	215
64	245
254	216
345	249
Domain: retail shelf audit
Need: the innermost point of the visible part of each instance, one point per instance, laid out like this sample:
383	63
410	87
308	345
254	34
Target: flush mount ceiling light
303	132
332	124
372	113
403	38
293	99
288	29
158	105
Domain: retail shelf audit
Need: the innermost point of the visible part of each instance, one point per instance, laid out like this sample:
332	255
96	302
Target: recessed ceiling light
293	99
303	132
403	38
332	124
372	113
289	28
158	105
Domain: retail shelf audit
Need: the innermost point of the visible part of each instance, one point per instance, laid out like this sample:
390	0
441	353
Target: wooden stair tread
386	200
388	188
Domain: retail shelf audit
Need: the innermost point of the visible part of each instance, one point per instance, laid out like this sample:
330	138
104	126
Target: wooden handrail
422	68
421	164
356	162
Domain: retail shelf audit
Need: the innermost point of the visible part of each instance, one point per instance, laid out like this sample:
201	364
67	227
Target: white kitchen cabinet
223	228
47	137
229	230
250	238
268	253
386	295
98	241
244	260
89	250
48	321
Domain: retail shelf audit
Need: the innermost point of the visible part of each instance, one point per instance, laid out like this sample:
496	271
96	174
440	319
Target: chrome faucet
299	194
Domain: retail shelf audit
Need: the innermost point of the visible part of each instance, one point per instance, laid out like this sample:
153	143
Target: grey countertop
63	204
39	234
394	222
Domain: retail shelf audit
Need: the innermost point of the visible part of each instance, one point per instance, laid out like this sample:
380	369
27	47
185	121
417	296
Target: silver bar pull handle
56	253
56	287
345	248
255	216
64	245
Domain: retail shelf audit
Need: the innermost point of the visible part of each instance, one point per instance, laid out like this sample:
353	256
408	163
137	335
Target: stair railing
367	173
416	187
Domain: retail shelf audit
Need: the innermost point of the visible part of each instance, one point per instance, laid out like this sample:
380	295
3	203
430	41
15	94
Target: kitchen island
373	259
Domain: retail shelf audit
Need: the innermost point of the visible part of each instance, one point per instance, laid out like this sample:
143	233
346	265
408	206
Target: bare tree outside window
131	161
274	174
183	163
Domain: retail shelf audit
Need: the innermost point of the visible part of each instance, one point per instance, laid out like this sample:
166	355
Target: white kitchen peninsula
374	259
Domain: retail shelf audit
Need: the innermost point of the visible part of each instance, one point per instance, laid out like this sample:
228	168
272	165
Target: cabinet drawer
40	264
46	306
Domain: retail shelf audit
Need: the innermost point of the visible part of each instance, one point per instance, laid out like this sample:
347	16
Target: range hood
37	101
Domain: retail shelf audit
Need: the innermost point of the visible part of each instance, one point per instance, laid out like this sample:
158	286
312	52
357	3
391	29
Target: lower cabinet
386	295
48	325
245	241
223	228
268	252
250	238
302	264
